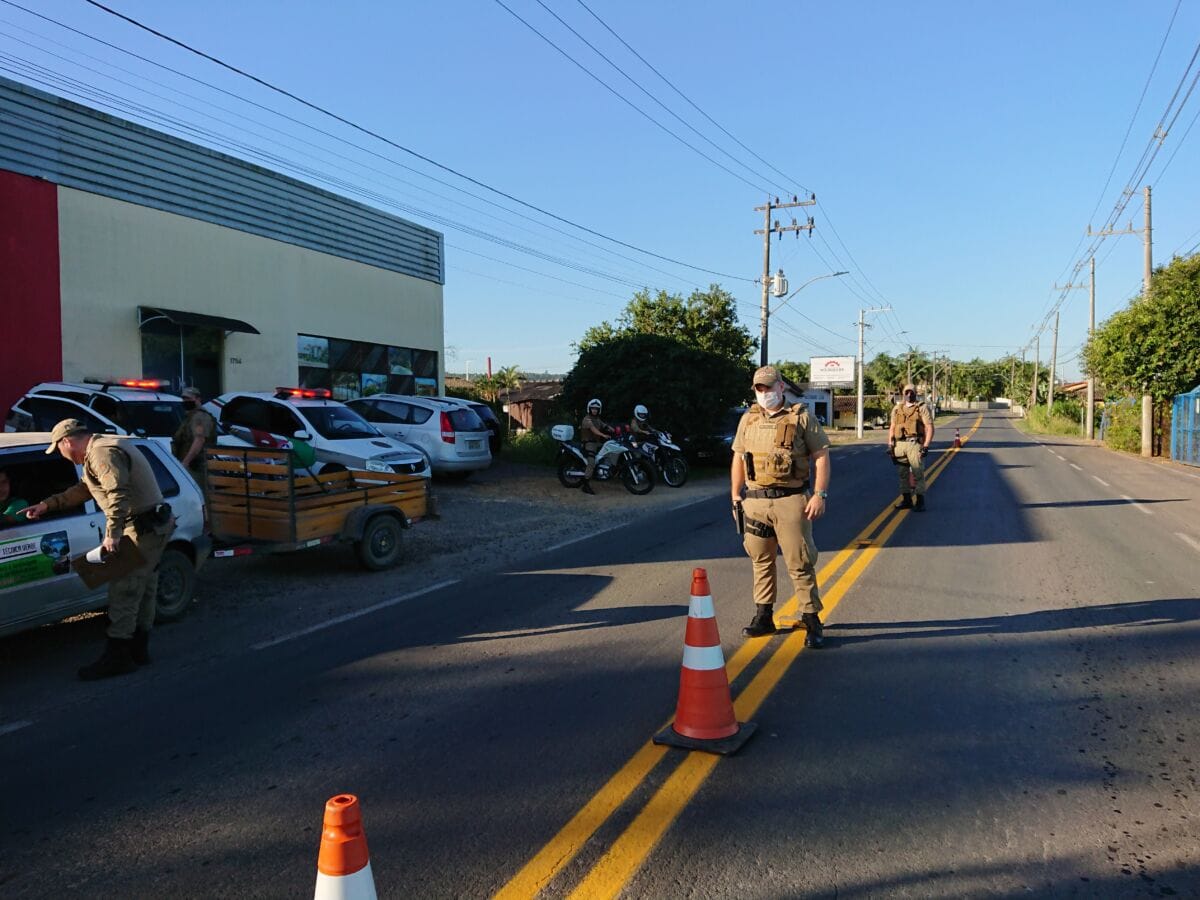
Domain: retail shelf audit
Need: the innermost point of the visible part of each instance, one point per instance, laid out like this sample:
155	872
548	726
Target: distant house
530	406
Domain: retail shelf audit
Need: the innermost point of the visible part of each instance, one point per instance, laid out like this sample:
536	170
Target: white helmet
594	402
641	413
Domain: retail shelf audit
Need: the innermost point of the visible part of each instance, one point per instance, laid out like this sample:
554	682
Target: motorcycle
616	460
666	457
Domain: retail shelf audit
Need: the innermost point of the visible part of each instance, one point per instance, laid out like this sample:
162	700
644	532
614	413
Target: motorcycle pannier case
562	432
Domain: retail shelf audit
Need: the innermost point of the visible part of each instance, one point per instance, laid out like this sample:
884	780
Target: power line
379	137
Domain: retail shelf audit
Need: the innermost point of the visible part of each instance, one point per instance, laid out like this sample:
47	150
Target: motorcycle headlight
375	465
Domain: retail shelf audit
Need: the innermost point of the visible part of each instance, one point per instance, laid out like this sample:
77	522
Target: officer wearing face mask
909	437
197	431
779	481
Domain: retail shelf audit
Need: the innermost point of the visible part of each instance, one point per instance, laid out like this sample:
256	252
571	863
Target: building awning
146	314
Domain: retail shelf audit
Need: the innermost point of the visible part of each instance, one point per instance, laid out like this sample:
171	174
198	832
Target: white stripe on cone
358	886
702	608
703	659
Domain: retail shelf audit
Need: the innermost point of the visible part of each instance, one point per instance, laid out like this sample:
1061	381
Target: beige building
131	253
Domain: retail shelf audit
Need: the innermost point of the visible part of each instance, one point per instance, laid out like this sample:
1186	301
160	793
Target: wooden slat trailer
260	502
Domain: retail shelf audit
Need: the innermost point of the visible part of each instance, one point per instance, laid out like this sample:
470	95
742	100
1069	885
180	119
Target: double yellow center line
614	869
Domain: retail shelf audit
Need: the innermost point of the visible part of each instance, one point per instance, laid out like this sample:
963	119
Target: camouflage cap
65	429
766	375
907	388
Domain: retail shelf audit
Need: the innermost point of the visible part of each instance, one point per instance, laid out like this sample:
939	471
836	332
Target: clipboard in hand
127	559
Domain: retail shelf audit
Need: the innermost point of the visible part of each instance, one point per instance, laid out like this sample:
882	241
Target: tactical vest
909	423
771	444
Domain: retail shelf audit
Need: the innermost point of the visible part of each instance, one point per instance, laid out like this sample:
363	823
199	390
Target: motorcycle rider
593	432
640	423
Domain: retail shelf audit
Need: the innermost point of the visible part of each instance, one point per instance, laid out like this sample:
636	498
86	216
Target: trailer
262	501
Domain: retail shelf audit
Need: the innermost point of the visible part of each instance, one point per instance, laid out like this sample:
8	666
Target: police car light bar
146	383
306	393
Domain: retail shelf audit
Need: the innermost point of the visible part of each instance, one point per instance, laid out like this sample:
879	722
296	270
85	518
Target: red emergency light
305	393
151	384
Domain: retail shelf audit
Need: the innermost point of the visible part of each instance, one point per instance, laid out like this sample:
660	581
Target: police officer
780	476
640	423
197	431
117	476
593	432
909	437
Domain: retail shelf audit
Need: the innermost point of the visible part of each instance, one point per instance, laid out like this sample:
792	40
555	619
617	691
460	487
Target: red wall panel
30	307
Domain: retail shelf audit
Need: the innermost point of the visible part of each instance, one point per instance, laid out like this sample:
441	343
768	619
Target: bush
1041	423
1124	430
533	447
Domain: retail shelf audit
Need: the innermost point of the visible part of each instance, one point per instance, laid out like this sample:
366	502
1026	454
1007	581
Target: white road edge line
1188	539
1063	458
17	726
1136	505
1073	466
338	620
1102	481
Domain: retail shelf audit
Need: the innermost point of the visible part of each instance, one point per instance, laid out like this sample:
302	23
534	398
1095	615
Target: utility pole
1037	358
767	230
861	325
1147	272
1089	426
1053	362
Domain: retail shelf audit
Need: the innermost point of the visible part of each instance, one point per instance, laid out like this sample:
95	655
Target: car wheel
379	548
176	585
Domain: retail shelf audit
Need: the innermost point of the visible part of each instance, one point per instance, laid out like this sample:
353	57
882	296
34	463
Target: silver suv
36	582
451	436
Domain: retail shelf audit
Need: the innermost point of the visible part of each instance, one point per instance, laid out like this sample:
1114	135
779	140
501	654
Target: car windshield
154	418
339	423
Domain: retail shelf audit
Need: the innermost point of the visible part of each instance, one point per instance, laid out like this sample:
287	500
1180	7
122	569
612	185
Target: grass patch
533	448
1038	422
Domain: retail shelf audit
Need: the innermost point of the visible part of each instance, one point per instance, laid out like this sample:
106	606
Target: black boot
114	661
587	486
763	622
815	636
139	647
905	502
920	507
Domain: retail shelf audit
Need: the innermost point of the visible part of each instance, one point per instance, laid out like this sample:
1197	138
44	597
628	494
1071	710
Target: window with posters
352	369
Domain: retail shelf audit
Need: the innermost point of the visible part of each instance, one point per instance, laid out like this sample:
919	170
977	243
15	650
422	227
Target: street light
779	306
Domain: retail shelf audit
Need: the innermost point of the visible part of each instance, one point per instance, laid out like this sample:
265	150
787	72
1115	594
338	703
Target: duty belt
906	440
774	493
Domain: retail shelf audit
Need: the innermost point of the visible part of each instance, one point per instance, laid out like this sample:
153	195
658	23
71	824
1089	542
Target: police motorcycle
616	459
665	455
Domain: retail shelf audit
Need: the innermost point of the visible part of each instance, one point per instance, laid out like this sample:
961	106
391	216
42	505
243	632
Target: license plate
474	445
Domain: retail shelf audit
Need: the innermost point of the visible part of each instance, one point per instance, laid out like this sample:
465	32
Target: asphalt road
1006	705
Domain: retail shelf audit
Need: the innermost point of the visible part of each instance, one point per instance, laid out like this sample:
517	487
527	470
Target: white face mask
770	400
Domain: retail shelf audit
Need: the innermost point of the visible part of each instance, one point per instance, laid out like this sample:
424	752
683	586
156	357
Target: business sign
831	371
34	558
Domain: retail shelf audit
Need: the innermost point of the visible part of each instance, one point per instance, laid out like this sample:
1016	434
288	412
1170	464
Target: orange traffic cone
957	439
343	867
704	718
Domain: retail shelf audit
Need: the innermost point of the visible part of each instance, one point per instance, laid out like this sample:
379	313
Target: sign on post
831	371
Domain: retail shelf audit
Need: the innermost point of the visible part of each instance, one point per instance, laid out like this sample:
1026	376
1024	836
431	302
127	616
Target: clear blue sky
958	149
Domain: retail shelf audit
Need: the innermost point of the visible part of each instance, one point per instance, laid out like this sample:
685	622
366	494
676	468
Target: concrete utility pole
1148	271
1089	425
861	325
1037	358
767	230
1053	363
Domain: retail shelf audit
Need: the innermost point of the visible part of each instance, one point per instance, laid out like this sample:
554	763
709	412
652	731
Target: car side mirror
302	436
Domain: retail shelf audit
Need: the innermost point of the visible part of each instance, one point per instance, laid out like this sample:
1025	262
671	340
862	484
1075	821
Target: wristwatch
824	495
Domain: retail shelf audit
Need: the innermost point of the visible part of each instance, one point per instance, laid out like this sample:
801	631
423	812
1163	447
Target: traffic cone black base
669	737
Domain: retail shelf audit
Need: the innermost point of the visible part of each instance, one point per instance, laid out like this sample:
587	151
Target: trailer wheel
176	586
380	545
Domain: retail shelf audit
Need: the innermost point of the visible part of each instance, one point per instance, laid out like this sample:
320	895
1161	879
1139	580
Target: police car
37	584
340	438
128	407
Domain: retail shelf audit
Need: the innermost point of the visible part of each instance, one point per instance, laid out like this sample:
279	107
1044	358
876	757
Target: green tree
796	372
688	390
885	373
1153	345
706	320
